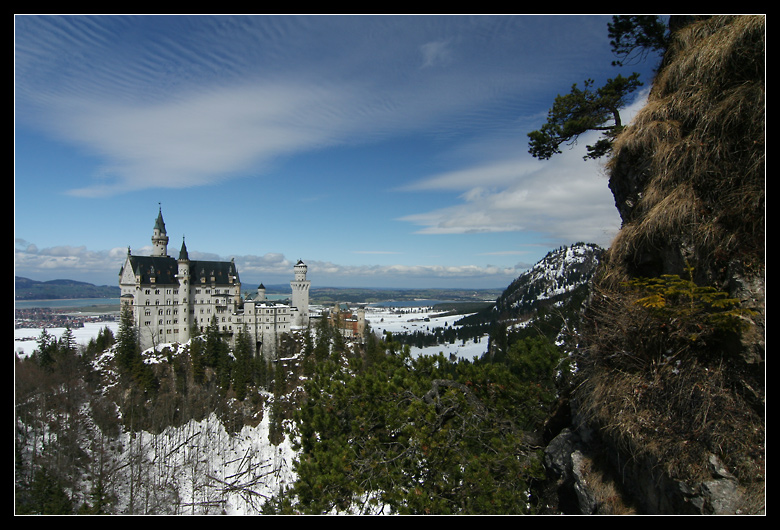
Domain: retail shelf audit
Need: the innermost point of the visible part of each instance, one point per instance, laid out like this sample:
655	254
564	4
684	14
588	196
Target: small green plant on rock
694	311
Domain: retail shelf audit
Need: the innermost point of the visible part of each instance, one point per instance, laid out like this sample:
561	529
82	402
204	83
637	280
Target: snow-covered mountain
553	280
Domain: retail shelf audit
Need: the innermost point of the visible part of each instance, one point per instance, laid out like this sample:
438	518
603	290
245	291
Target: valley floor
381	320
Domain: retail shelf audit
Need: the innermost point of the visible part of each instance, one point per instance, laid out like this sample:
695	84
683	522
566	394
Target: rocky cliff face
668	416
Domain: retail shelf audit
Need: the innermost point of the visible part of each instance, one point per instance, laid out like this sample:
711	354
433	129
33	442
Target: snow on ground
411	319
381	319
26	339
212	471
207	470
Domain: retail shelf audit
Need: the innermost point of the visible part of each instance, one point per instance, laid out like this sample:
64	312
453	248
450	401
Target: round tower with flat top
300	294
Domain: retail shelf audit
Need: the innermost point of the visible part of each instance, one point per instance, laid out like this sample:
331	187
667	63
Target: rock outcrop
669	409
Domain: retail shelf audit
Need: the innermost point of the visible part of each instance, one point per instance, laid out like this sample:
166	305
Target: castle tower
183	276
159	237
300	293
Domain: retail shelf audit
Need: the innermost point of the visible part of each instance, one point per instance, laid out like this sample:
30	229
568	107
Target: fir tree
127	347
46	351
242	369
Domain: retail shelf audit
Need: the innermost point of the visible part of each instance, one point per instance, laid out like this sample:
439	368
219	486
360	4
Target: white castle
174	299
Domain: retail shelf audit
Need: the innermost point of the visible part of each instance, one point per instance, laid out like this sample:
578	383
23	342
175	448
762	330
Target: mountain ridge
28	289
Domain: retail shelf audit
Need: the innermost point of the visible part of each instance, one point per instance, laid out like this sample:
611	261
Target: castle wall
174	300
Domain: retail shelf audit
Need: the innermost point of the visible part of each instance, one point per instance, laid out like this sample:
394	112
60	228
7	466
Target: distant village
46	317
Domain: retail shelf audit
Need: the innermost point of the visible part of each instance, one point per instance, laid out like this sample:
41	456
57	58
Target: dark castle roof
159	224
164	270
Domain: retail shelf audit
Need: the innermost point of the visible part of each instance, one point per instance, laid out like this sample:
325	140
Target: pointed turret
183	276
160	237
183	256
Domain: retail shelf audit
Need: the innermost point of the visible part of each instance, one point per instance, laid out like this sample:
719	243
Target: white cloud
406	275
436	53
566	199
100	267
175	111
66	262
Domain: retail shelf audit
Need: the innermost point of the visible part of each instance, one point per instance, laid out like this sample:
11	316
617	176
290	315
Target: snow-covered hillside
201	468
559	273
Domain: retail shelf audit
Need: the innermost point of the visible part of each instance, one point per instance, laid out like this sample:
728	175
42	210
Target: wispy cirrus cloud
564	200
190	101
437	53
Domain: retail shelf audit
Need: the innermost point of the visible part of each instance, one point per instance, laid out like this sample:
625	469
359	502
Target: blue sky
384	151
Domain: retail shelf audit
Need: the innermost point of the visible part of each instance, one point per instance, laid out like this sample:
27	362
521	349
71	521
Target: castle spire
183	255
159	224
160	237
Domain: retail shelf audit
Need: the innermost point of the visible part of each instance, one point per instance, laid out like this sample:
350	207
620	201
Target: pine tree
213	345
323	339
242	369
128	354
197	359
414	436
68	343
128	350
46	351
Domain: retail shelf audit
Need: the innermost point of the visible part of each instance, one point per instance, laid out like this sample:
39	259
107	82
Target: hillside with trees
27	289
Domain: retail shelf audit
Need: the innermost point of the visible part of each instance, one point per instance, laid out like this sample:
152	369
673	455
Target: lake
75	303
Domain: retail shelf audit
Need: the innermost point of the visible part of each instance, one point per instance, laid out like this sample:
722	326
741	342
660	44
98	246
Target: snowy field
26	339
411	319
381	319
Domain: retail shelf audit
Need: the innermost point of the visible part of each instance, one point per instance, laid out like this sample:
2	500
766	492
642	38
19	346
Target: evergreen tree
307	354
46	351
128	350
198	360
323	339
128	354
68	343
414	436
242	369
213	344
584	110
47	496
276	430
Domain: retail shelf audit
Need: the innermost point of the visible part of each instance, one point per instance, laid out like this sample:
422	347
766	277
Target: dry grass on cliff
697	149
699	142
665	399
